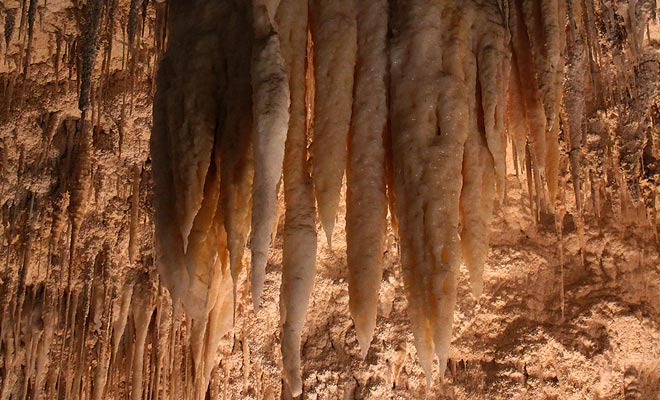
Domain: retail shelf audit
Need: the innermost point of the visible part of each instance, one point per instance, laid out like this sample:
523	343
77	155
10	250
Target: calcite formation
126	219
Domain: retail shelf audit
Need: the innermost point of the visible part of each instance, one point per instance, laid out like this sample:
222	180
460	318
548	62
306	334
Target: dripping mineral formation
323	199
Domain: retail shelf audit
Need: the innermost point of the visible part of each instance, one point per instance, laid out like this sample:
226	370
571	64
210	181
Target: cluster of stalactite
71	254
416	103
95	26
418	107
64	295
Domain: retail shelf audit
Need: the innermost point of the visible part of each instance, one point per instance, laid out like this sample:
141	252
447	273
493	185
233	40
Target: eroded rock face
141	142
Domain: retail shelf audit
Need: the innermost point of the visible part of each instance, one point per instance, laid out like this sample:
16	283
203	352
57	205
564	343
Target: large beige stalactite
235	131
484	161
429	114
366	198
334	32
271	103
184	163
186	150
299	252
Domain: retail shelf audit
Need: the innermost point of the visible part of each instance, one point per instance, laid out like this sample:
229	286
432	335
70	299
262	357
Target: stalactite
10	24
135	212
218	309
43	351
516	120
108	38
59	220
236	140
429	128
88	52
574	110
484	153
189	166
533	108
32	8
554	17
21	26
160	28
270	109
34	334
195	267
103	346
476	194
333	27
133	33
366	198
143	308
299	252
164	321
632	125
493	64
72	45
219	323
81	165
132	27
84	322
28	235
57	57
120	309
